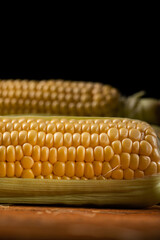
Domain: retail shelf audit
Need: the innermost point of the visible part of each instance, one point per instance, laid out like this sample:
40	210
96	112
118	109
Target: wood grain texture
37	222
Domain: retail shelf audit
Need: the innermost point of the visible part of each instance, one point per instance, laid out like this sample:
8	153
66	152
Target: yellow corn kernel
117	174
25	126
152	140
60	127
32	137
58	139
117	147
42	127
145	148
9	127
108	153
134	134
115	161
47	168
27	173
86	127
2	127
49	140
2	169
40	177
18	169
152	169
41	139
36	153
138	173
70	169
37	168
69	128
89	156
80	155
44	156
67	139
71	154
144	162
23	136
125	160
1	136
103	139
6	139
155	155
27	162
88	170
94	140
27	149
53	155
85	139
2	153
59	169
106	170
123	133
14	138
49	176
79	169
18	152
99	153
128	174
95	128
62	154
76	139
97	167
134	161
113	134
11	154
10	169
126	145
135	147
51	128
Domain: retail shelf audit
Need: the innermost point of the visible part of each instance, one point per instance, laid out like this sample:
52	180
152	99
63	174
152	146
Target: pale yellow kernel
42	127
113	134
86	127
135	134
88	170
155	155
37	166
47	168
23	137
95	128
85	139
80	155
127	145
79	169
49	140
6	139
36	153
103	139
83	178
151	170
135	147
60	127
9	127
2	153
71	154
56	177
97	166
25	126
18	169
27	173
32	137
150	131
40	177
44	156
101	178
123	133
62	154
144	162
59	169
142	126
70	169
99	153
67	141
49	176
10	169
125	160
2	169
17	127
103	127
152	140
58	139
66	178
115	161
128	174
51	128
108	153
69	128
41	139
34	126
89	155
19	152
2	127
117	174
138	173
145	148
94	140
121	125
53	155
14	138
27	149
27	162
117	147
75	178
76	139
77	128
131	125
11	154
134	161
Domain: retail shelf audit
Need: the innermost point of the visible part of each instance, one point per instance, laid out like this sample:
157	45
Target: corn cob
55	148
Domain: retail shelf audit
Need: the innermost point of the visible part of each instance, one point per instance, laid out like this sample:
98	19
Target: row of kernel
74	170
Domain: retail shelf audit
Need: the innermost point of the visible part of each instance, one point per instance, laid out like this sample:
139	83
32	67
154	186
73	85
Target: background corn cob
78	149
74	98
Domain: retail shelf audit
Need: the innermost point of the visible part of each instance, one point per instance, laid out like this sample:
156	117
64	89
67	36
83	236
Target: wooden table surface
48	222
